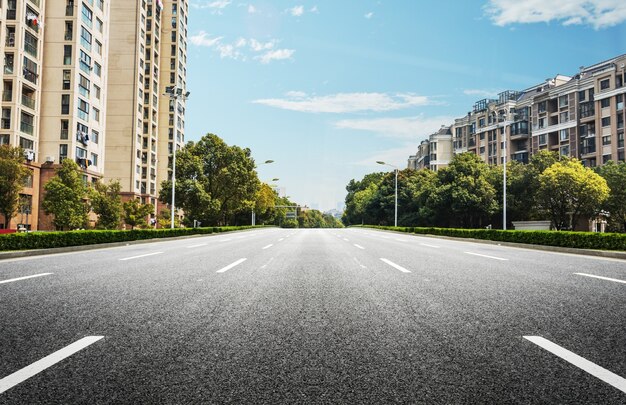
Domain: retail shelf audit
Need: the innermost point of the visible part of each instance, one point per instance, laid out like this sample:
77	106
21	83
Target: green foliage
315	219
214	181
615	204
289	223
65	197
164	219
568	190
12	175
107	204
136	214
47	240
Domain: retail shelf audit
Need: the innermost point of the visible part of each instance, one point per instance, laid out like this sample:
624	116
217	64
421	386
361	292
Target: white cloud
396	156
278	54
314	10
216	7
251	9
241	42
257	46
202	39
481	92
597	13
346	102
417	128
297	11
369	15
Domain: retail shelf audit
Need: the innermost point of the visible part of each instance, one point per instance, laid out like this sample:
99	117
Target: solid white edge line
27	372
580	362
230	266
359	246
24	278
392	264
195	246
488	257
137	257
602	278
432	246
267	247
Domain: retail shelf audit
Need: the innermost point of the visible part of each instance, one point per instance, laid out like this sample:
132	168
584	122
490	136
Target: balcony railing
31	49
7	95
30	76
10	41
28	101
8	69
585	150
26	128
65	133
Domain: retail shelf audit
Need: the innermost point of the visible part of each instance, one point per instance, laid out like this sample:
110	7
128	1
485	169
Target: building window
94	159
95	136
619	101
581	95
542	139
542	107
65	128
87	15
30	44
563	135
96	91
84	86
85	62
67	83
26	143
85	38
605	102
563	101
563	117
65	104
98	25
83	109
564	150
606	140
620	139
97	69
62	152
96	114
606	121
542	123
5	139
100	4
30	70
604	84
605	159
98	47
620	121
67	54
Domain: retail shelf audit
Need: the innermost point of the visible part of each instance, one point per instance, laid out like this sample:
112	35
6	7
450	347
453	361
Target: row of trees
468	194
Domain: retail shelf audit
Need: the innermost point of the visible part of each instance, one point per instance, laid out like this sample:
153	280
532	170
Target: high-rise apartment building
21	43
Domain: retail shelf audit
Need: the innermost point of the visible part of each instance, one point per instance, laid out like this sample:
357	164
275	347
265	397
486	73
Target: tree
65	197
107	204
355	212
135	213
214	181
615	204
568	190
12	176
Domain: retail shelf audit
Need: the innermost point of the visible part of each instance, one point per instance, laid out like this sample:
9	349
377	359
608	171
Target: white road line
580	362
195	246
230	266
359	263
488	257
392	264
137	257
359	246
265	265
347	240
25	278
24	374
281	239
432	246
267	247
602	278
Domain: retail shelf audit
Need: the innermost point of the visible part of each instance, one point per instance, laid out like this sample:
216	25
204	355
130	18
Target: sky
327	88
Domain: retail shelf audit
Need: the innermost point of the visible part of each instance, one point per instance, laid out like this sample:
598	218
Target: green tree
107	204
414	189
136	213
214	181
164	219
65	197
568	190
356	202
12	175
615	204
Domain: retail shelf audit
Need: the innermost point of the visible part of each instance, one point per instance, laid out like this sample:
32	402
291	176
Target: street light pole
504	159
395	222
175	93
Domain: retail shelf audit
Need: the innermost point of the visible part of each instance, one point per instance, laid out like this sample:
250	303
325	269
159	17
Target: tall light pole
504	153
175	93
395	222
253	216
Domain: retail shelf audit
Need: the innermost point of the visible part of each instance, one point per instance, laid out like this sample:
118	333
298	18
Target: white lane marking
281	239
580	362
601	278
267	247
347	240
230	266
226	240
24	278
488	257
265	265
137	257
359	246
195	246
392	264
432	246
27	372
359	263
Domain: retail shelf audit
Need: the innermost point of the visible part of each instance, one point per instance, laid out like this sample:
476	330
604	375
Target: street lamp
175	93
504	153
396	205
253	216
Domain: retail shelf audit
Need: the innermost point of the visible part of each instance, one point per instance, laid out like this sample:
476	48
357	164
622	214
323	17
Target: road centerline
395	266
601	278
230	266
24	278
27	372
486	256
137	257
580	362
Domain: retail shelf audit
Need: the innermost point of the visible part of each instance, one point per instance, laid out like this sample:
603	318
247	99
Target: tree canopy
12	175
66	197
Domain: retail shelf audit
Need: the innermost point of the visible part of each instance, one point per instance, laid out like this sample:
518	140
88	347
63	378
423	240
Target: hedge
578	240
45	240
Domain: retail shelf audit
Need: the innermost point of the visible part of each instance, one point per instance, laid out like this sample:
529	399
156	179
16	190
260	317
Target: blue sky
327	88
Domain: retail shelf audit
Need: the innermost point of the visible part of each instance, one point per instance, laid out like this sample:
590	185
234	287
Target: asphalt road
313	316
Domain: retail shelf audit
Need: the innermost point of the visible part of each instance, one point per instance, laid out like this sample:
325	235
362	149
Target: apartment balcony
8	69
30	49
10	40
68	35
28	101
30	76
69	10
6	123
64	133
588	150
35	2
7	95
27	128
11	14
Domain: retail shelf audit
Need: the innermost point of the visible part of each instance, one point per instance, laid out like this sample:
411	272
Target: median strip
488	257
230	266
395	266
24	374
24	278
602	278
140	256
580	362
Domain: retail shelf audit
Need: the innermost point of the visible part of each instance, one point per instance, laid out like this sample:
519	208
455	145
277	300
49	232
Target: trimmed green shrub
45	240
578	240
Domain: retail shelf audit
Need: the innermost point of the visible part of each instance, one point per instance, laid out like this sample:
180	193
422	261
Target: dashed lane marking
359	246
230	266
25	278
195	246
488	257
395	266
602	278
137	257
432	246
267	247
